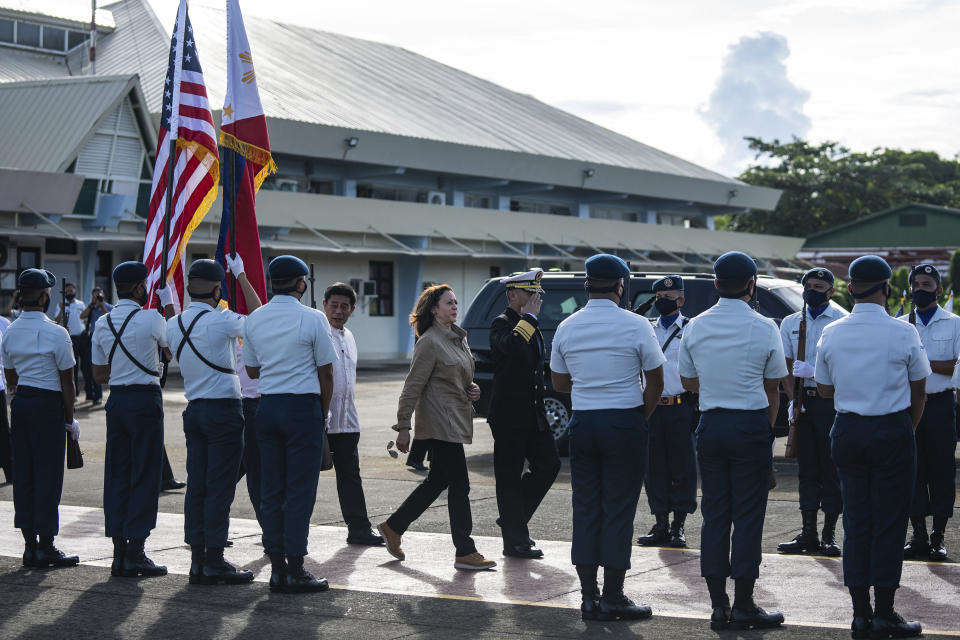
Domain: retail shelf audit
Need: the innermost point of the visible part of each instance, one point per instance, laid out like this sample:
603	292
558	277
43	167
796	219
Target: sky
690	77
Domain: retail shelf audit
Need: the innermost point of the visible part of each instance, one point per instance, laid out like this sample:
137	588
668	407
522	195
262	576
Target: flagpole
171	154
234	305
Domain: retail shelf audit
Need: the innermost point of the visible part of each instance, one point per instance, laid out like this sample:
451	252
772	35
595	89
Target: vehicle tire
558	415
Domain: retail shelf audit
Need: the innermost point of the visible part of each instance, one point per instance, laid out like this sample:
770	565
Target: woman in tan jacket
441	390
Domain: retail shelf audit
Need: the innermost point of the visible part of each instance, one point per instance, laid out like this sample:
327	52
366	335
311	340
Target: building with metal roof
393	168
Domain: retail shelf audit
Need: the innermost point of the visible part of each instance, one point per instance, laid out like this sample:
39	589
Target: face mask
923	298
666	306
814	298
71	297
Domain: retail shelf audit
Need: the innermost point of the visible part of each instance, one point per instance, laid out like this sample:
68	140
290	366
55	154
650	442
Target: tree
826	184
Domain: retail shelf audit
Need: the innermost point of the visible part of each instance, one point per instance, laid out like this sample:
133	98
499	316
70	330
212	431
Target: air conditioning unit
368	288
436	197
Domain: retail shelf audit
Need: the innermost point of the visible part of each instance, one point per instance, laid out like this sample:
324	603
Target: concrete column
503	203
458	198
582	210
347	188
88	267
409	280
710	222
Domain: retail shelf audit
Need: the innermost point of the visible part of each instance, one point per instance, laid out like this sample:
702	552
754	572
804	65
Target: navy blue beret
870	269
925	270
668	283
36	279
287	267
734	265
130	272
604	266
206	269
818	274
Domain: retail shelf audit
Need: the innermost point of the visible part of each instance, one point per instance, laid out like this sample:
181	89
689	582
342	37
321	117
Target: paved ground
376	597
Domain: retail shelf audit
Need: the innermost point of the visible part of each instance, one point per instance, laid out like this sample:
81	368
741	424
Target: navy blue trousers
935	491
250	467
346	466
672	467
39	445
733	448
608	456
819	481
290	436
134	460
876	458
214	433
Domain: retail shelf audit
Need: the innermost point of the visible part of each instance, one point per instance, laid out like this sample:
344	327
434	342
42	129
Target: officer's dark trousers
6	453
346	465
672	469
78	355
133	461
733	447
214	434
876	458
518	493
93	390
448	470
290	435
39	446
935	490
250	466
608	456
819	482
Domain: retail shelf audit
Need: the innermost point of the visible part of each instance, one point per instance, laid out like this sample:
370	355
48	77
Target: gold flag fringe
254	154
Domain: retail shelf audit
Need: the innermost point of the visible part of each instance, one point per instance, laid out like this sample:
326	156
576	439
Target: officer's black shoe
807	541
660	533
720	618
892	625
299	580
919	545
364	537
589	608
30	555
522	551
620	607
828	541
172	485
50	556
938	551
216	570
136	563
753	617
860	628
197	556
278	571
677	537
119	551
589	591
417	466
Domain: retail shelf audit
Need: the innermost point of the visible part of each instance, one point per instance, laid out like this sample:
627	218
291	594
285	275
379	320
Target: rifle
313	299
645	306
63	303
913	307
74	455
791	451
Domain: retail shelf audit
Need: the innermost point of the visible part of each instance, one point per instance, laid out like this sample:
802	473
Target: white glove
74	429
803	409
165	295
802	369
235	265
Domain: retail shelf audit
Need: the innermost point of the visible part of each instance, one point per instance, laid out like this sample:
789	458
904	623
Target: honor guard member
287	346
819	482
203	338
672	466
874	368
521	434
38	363
732	357
598	355
125	352
936	435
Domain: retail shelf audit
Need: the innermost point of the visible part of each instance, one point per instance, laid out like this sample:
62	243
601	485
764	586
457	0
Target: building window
54	39
382	274
75	39
477	201
28	34
6	30
324	187
913	219
536	206
391	192
27	258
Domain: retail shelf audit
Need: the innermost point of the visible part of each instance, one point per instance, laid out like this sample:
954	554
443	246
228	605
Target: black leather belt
811	392
667	401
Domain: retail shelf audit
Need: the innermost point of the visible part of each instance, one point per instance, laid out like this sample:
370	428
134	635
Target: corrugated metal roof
71	10
46	122
330	79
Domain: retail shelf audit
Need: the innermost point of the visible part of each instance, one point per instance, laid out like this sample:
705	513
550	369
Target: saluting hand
532	305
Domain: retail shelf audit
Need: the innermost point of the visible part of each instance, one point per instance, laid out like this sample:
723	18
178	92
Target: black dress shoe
621	607
860	628
938	551
53	557
417	466
195	576
172	485
590	608
136	563
30	556
277	579
303	582
720	618
223	572
754	618
367	537
916	548
522	551
893	625
659	535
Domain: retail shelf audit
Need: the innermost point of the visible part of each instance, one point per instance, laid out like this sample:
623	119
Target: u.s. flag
187	120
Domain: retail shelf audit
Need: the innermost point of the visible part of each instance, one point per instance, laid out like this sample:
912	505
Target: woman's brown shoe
392	538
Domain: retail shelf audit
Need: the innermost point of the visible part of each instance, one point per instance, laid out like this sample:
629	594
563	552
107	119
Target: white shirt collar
601	302
869	307
734	303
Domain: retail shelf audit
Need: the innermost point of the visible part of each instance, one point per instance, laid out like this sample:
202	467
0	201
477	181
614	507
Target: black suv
564	294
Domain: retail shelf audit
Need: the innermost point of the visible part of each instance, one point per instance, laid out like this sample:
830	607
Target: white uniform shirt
142	337
215	336
671	374
288	341
603	348
343	409
941	341
790	335
732	349
74	321
869	358
38	349
249	387
4	323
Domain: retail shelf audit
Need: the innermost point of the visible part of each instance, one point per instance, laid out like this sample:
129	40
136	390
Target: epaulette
525	330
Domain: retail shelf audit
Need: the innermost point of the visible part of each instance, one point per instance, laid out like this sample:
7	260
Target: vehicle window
698	296
558	305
